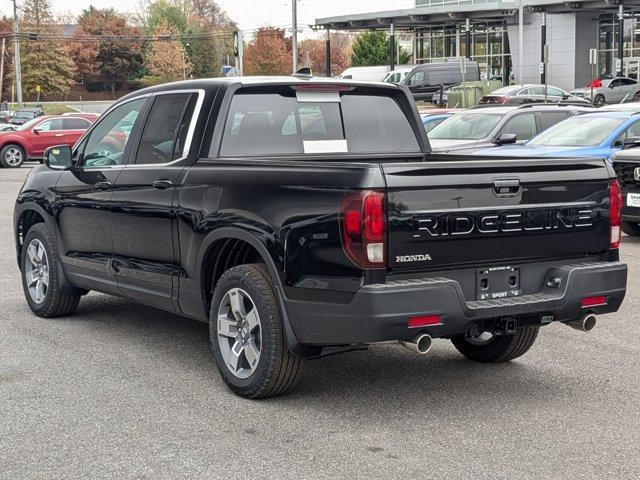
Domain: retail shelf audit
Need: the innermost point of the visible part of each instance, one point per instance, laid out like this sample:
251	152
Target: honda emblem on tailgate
636	174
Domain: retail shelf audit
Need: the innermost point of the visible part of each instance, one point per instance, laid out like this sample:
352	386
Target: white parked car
399	74
609	90
375	73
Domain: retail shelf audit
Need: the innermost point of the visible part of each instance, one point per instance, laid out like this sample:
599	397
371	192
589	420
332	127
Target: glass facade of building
489	46
608	46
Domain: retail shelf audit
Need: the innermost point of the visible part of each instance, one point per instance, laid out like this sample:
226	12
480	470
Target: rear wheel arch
226	248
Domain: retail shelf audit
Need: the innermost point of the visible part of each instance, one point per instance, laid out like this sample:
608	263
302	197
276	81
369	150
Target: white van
368	74
399	74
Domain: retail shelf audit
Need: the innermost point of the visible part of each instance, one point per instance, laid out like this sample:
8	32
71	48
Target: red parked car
29	141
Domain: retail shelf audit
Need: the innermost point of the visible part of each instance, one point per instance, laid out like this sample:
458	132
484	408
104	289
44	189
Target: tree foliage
268	53
166	61
109	60
45	62
373	48
313	54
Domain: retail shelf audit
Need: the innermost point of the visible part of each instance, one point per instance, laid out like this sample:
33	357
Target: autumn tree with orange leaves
103	48
267	53
166	61
312	54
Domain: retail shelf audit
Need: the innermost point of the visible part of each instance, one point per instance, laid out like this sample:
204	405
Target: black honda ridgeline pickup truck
302	217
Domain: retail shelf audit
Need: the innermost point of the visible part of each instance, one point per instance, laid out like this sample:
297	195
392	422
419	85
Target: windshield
29	124
24	114
466	126
579	131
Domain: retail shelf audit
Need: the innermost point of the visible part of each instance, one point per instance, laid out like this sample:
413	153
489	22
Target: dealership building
497	33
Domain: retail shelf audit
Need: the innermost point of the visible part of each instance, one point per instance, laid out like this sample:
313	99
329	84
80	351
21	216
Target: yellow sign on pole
37	88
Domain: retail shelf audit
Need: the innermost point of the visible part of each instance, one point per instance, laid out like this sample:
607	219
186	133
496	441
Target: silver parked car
609	90
494	126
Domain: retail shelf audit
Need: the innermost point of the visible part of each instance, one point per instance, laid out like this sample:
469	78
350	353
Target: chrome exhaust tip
420	344
586	323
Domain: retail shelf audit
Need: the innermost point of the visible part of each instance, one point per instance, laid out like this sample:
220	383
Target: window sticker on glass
325	146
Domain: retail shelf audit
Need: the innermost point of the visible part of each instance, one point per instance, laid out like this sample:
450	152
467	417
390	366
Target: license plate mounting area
498	282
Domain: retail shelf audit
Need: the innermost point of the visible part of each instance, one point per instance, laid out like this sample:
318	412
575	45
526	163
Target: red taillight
615	213
362	226
416	322
594	301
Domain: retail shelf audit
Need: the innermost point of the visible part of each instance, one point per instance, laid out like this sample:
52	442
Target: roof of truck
207	83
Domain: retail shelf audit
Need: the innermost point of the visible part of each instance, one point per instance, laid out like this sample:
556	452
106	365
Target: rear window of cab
315	122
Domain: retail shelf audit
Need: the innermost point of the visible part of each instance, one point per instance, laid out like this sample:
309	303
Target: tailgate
478	212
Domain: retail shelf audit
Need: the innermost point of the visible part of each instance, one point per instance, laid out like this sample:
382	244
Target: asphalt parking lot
125	391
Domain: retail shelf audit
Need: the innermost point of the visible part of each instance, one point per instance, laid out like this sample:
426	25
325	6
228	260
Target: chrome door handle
59	135
162	184
103	185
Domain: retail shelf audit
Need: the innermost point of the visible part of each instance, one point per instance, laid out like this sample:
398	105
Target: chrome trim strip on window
189	138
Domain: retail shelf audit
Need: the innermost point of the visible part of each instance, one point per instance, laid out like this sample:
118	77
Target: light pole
294	36
16	55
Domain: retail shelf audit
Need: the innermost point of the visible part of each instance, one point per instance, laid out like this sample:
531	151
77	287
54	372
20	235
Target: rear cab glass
286	121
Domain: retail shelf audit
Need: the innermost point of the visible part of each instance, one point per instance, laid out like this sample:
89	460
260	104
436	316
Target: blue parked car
432	121
598	134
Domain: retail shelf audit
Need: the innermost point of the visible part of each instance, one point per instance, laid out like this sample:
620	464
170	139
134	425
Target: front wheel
12	156
630	228
247	335
489	348
40	276
599	101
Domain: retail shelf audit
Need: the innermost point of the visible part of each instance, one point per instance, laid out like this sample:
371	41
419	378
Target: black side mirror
565	96
58	157
631	142
506	138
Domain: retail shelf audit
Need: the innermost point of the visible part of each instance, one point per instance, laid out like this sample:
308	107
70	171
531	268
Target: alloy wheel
239	333
36	271
13	157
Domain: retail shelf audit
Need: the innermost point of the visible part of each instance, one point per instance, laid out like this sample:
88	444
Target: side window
165	132
555	92
547	119
523	92
107	141
615	83
48	125
524	126
536	91
417	78
75	124
631	131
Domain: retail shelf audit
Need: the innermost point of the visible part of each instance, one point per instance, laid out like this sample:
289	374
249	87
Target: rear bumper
380	312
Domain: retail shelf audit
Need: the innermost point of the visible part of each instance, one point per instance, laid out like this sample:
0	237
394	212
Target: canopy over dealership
488	31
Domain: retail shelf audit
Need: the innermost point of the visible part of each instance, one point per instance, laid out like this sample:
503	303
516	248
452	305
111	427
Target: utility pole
620	63
294	36
4	40
16	55
521	42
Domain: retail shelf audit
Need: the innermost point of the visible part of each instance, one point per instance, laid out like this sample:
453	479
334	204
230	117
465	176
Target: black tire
57	302
4	156
501	348
277	369
599	101
631	229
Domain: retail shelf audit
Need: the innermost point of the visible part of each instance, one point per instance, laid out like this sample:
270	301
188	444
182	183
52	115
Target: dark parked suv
303	217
